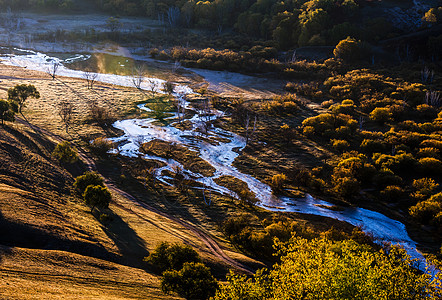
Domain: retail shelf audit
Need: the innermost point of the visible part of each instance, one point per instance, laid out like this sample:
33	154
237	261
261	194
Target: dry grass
49	274
232	183
119	101
188	158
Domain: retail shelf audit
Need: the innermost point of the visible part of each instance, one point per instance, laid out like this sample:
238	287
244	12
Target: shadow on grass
14	234
130	245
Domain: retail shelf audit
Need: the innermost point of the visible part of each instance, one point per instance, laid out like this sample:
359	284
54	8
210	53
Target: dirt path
211	244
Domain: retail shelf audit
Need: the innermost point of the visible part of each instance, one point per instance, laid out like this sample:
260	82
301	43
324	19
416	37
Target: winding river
220	154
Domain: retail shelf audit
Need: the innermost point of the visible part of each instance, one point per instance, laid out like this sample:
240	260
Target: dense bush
326	269
97	196
101	146
192	281
168	256
64	153
88	178
278	181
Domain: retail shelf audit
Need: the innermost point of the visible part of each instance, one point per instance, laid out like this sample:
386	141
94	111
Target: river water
220	153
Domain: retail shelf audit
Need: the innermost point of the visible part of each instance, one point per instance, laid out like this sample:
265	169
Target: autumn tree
325	269
348	49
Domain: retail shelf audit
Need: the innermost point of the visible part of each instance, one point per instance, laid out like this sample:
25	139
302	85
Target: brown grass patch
188	158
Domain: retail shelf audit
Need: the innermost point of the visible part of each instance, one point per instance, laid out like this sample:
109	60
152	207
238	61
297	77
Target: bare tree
181	109
65	111
176	66
153	85
138	75
168	87
250	132
246	126
53	68
427	75
173	16
91	78
361	122
433	98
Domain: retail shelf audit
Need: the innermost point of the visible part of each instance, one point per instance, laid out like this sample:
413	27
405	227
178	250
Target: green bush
193	281
424	187
278	181
340	145
64	153
346	187
88	178
168	256
372	146
97	196
350	50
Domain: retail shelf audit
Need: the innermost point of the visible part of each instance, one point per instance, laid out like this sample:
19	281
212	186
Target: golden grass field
52	247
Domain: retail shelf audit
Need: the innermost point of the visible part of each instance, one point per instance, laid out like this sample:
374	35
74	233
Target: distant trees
20	93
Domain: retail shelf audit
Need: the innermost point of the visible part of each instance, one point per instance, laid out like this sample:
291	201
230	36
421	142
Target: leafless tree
168	87
361	122
138	73
65	112
153	85
433	98
173	16
176	66
181	100
53	68
249	132
91	78
427	75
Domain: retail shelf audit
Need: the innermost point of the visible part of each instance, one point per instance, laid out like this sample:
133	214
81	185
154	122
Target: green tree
168	256
20	93
6	111
64	153
97	195
193	281
113	24
88	178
